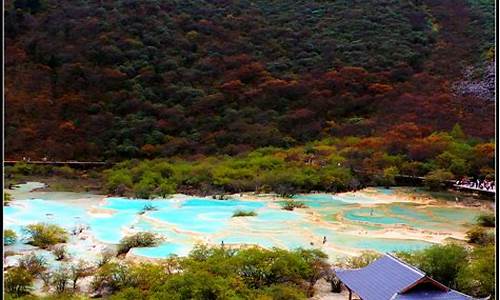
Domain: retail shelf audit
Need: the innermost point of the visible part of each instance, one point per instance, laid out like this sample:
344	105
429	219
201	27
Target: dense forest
114	80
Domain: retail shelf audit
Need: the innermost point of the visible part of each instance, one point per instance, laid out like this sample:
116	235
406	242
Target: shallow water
346	220
416	216
364	242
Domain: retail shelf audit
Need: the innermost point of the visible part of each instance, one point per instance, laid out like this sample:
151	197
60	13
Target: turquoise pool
347	220
416	216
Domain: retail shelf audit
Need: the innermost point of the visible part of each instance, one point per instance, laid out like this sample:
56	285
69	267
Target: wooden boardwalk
473	189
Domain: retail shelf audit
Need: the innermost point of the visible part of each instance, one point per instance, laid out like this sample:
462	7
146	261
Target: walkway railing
475	189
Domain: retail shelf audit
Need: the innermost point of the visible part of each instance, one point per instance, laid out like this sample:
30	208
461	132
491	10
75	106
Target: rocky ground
323	292
478	82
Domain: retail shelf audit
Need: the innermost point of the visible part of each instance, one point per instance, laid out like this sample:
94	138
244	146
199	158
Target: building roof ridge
412	268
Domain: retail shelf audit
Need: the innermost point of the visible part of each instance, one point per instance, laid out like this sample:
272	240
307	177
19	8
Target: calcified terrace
377	219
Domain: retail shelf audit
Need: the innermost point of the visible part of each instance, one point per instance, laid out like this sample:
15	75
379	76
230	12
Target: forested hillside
108	80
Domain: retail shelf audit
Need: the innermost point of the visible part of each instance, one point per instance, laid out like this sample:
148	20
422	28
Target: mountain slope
121	79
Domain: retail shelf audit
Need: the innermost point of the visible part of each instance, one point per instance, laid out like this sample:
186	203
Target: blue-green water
416	216
370	243
347	221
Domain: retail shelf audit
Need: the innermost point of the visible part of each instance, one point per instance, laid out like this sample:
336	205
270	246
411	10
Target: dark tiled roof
388	278
432	295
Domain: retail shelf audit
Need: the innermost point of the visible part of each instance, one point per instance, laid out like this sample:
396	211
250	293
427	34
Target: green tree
117	180
389	176
486	220
44	235
477	278
282	292
113	277
60	279
441	262
9	237
35	264
435	179
140	239
459	167
457	132
18	281
147	185
130	293
166	188
480	235
361	261
198	284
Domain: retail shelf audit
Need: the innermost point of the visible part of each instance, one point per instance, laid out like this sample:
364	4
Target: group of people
488	185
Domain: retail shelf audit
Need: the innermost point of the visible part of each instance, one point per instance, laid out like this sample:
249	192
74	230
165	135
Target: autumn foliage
112	80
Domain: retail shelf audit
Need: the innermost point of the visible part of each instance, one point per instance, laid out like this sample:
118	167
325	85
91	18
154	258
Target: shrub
477	278
18	281
65	171
7	198
147	207
388	177
317	267
128	294
23	168
200	284
140	239
46	278
105	257
441	262
44	235
9	237
112	277
291	205
117	181
284	189
60	252
435	179
35	264
243	213
283	292
363	260
143	190
59	279
166	188
486	220
481	236
79	270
